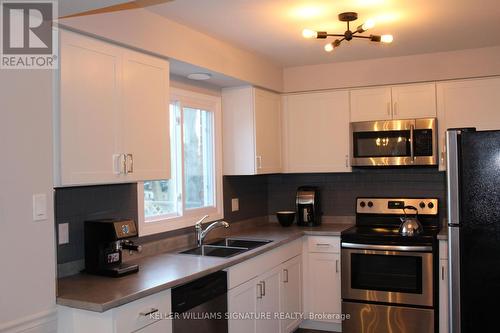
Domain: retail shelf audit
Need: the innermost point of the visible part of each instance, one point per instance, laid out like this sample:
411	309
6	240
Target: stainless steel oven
387	288
394	142
387	273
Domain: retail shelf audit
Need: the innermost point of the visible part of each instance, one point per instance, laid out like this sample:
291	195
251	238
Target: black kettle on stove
410	225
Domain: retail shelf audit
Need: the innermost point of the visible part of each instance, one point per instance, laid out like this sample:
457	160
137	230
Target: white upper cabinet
467	103
90	90
407	101
316	132
145	116
112	121
414	101
251	131
371	104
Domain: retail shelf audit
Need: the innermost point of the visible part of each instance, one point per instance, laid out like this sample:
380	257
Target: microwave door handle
412	146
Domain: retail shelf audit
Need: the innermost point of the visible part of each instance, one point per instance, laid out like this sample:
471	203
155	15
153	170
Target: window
195	186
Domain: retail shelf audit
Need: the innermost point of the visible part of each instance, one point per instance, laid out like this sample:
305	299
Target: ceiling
273	28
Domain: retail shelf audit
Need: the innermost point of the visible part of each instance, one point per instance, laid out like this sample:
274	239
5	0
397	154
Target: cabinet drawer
329	244
134	316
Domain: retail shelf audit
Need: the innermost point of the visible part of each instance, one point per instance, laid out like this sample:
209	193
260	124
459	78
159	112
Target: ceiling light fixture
348	35
199	76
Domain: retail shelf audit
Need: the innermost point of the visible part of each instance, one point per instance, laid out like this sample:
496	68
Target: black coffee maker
308	206
104	242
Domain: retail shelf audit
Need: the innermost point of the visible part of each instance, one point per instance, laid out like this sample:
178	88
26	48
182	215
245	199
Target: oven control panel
424	206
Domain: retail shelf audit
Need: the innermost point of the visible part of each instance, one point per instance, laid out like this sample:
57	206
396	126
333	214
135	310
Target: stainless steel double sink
227	247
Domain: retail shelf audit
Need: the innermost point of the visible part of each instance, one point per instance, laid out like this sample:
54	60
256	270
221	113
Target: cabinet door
145	116
243	300
269	301
90	90
291	293
414	101
324	284
467	103
316	132
161	326
443	296
371	104
267	132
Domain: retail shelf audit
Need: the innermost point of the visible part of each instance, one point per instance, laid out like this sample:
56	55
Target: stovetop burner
378	221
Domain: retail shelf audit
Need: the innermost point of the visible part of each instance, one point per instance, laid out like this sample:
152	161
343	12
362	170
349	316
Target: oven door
389	274
394	142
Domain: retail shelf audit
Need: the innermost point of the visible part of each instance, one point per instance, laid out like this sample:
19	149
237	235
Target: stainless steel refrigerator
473	187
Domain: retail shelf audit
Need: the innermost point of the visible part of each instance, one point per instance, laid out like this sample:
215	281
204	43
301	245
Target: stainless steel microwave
394	142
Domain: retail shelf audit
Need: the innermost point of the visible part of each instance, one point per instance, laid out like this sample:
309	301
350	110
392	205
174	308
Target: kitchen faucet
201	234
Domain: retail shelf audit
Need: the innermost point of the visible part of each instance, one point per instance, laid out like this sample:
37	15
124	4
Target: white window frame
191	216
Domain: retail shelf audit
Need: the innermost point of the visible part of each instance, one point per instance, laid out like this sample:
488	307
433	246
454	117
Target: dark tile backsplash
74	205
340	190
252	194
258	196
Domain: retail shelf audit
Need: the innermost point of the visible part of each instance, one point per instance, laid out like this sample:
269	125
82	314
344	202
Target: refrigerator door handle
452	174
454	278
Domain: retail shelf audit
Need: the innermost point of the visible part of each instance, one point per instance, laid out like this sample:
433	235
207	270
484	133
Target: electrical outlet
235	204
63	233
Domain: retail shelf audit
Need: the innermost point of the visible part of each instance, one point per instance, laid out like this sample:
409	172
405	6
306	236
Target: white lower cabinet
253	304
143	315
160	326
443	287
241	301
268	301
271	301
291	295
322	283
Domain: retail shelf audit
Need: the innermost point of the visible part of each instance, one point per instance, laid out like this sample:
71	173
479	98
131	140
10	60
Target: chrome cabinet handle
260	292
395	108
442	273
259	161
131	170
263	288
346	161
124	164
285	272
148	313
336	266
322	244
388	108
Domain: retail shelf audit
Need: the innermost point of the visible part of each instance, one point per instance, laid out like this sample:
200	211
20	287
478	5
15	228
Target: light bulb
386	38
369	24
308	33
329	47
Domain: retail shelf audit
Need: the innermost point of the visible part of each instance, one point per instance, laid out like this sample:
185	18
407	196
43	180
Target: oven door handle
403	248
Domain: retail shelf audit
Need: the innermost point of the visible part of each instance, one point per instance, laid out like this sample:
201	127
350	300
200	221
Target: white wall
27	251
148	31
416	68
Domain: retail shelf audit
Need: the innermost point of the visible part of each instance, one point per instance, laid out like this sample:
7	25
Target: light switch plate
39	207
63	233
235	204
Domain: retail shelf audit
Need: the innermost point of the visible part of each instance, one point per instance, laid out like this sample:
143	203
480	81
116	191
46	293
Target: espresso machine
308	206
104	242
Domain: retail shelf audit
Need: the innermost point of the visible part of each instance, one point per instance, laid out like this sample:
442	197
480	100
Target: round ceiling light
199	76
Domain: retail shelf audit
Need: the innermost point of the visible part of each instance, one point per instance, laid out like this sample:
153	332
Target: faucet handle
198	224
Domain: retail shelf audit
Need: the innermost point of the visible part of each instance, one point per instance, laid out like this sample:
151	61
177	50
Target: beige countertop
163	271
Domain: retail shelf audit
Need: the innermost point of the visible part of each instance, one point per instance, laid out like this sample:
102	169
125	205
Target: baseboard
321	326
42	322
